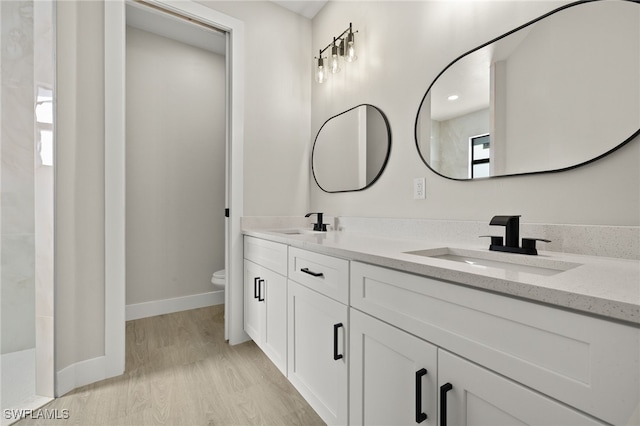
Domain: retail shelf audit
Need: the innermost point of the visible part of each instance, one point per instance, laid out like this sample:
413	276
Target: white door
393	375
317	355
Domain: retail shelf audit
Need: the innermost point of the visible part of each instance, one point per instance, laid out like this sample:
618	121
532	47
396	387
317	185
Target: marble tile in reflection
18	292
44	356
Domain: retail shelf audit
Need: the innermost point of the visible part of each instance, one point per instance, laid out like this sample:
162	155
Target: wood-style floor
180	371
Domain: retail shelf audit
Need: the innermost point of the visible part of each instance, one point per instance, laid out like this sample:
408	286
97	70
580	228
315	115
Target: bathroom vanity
398	331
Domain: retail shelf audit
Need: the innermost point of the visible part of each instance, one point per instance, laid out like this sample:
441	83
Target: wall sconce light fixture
342	46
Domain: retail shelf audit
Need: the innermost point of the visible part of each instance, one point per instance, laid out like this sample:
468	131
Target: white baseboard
80	374
177	304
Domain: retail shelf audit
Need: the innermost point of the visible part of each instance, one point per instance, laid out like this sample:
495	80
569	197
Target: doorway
115	180
175	163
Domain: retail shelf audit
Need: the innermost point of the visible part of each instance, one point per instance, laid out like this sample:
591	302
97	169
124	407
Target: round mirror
556	93
351	149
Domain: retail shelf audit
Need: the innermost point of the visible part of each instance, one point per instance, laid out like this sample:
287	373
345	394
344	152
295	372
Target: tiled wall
26	203
17	177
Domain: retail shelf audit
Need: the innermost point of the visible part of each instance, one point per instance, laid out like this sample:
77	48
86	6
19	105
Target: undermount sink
506	261
296	231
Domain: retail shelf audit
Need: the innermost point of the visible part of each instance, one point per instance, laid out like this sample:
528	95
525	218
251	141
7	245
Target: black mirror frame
384	164
415	132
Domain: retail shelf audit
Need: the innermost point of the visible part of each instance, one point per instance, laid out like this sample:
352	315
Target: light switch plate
419	192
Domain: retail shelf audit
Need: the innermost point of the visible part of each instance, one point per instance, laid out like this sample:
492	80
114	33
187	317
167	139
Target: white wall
402	47
79	216
175	167
277	143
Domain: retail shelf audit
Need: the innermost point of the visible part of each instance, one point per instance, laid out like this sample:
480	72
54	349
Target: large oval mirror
558	92
351	149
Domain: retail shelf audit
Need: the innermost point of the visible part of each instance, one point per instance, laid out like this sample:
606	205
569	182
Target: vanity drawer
325	274
266	253
586	362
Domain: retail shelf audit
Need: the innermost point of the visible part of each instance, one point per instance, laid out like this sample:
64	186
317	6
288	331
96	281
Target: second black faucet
318	226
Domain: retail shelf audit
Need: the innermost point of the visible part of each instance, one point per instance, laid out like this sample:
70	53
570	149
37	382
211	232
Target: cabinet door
265	313
317	357
274	333
253	309
477	396
393	375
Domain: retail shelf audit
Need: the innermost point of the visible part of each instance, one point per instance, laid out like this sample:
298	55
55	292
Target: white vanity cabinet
265	298
368	345
530	354
318	332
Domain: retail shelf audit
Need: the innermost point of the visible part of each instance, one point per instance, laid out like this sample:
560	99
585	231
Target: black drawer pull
336	355
443	402
255	287
315	274
420	416
260	295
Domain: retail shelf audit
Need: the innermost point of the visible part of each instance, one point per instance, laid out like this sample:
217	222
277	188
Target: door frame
115	179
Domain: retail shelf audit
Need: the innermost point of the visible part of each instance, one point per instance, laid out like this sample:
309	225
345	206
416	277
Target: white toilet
219	279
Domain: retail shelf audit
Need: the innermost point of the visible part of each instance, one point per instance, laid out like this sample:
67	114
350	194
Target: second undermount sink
297	231
483	259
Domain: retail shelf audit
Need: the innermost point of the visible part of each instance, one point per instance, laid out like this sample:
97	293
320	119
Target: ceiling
166	25
308	8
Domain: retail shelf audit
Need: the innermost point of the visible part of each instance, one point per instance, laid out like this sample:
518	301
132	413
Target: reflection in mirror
556	93
351	149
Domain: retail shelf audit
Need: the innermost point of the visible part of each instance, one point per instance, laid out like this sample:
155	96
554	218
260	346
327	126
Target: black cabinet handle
260	295
255	287
336	355
420	416
443	402
315	274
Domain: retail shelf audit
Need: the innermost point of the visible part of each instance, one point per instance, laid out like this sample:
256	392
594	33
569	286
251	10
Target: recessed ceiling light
453	97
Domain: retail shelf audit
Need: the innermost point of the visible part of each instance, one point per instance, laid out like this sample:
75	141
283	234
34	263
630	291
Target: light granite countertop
606	287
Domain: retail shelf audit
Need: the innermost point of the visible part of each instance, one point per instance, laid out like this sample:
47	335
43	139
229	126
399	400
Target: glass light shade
334	62
350	51
322	71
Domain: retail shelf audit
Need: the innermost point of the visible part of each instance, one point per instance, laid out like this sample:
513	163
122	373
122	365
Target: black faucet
512	237
319	226
512	229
